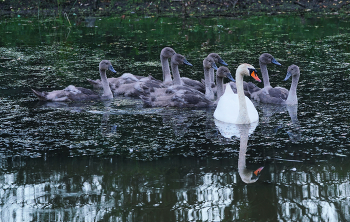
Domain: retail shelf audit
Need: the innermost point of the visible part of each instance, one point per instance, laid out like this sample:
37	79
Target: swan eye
253	73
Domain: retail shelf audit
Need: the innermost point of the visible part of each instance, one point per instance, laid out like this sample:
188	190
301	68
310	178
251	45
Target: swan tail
147	101
94	82
40	95
152	78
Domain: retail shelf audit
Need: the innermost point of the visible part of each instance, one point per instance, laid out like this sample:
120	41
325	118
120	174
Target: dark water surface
119	161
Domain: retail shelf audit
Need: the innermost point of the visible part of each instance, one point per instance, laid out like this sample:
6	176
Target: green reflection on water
48	54
58	55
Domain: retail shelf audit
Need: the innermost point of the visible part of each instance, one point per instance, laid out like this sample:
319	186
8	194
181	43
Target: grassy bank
183	8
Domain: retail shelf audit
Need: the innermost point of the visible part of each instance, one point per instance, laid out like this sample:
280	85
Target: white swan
237	108
72	93
252	91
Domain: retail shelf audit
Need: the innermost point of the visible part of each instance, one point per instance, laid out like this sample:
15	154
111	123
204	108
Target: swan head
267	58
293	70
209	63
106	65
167	52
249	176
224	72
178	59
248	70
217	58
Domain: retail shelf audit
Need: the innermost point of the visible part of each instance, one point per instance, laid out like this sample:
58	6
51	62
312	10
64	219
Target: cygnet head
179	59
209	63
248	70
293	70
106	65
224	72
267	58
167	52
217	58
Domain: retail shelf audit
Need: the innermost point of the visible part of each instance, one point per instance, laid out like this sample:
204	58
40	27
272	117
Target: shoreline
232	9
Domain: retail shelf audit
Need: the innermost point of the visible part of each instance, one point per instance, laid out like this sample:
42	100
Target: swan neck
265	74
166	70
242	151
212	75
292	95
209	94
176	74
219	87
293	113
107	93
243	117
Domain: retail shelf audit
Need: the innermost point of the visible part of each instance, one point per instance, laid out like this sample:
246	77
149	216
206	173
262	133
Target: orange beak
258	171
255	76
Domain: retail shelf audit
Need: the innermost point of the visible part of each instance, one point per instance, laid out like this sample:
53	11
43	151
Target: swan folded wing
279	92
128	90
158	101
251	87
268	99
252	112
85	95
56	95
228	115
227	107
175	96
277	95
95	83
197	85
189	98
86	91
126	78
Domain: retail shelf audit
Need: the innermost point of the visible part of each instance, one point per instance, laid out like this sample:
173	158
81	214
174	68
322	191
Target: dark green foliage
182	8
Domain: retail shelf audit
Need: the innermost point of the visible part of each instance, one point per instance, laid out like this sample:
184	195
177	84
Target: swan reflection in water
107	128
241	131
267	117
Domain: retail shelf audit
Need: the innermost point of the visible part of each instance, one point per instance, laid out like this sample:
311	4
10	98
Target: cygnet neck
209	94
107	93
292	95
166	70
177	80
265	74
219	87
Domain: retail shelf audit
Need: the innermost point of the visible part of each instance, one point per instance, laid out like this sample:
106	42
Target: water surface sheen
119	161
